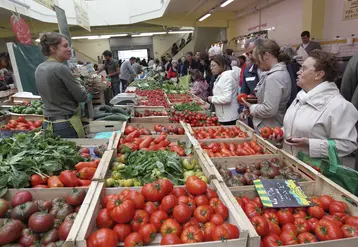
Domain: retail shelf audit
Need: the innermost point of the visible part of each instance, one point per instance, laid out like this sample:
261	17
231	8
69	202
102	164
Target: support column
232	31
313	17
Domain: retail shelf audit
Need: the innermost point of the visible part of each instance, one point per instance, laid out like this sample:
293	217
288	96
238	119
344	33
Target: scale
124	99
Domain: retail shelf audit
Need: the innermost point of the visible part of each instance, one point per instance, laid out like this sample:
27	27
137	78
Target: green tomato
117	166
116	175
128	183
137	184
197	167
204	178
110	182
187	165
188	174
198	174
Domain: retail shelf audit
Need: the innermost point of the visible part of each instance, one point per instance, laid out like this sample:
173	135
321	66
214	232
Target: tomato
170	226
316	212
338	207
146	142
306	237
332	218
210	193
134	239
312	222
201	200
274	228
103	219
21	197
65	229
54	181
272	240
179	191
158	218
222	210
214	202
148	232
123	212
266	132
240	97
156	191
140	218
220	233
49	237
195	185
10	230
217	219
207	230
342	217
41	222
36	179
75	197
191	234
187	201
28	238
4	206
252	210
289	227
182	213
137	198
284	216
170	239
258	202
69	179
349	231
271	217
107	198
325	202
351	220
277	131
288	238
168	203
24	211
233	230
203	213
260	224
129	129
328	230
122	231
301	225
150	207
299	214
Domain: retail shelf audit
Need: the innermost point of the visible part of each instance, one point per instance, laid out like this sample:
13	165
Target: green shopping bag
184	81
331	168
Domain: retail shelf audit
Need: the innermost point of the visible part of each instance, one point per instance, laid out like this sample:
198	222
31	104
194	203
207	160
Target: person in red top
173	71
243	64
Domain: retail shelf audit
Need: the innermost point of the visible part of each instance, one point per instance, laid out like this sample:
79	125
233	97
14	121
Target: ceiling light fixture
175	32
226	3
147	34
107	36
205	16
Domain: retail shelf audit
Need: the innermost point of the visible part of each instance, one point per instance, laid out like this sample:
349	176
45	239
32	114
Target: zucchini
120	110
101	115
106	108
115	117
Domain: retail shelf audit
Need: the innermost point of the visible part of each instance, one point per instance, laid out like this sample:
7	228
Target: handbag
331	168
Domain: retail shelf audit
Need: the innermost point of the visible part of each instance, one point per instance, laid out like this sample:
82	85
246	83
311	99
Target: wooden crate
149	119
150	126
322	186
27	116
230	162
103	126
89	224
49	194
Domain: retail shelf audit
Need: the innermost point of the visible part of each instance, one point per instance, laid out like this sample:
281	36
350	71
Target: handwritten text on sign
350	10
278	193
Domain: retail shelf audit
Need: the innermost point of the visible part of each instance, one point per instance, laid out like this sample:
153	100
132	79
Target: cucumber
101	115
115	117
120	110
106	108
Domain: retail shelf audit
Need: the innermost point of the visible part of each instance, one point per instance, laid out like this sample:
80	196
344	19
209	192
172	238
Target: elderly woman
224	92
273	91
320	113
173	71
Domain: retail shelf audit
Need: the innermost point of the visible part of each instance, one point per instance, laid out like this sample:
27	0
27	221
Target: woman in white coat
319	113
224	92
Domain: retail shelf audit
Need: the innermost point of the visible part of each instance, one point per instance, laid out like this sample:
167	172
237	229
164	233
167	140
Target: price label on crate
278	193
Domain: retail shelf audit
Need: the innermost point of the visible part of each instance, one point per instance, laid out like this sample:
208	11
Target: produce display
170	87
267	131
157	129
188	107
109	113
148	113
176	98
28	222
21	124
142	167
152	98
40	154
33	107
244	174
145	84
195	119
223	149
327	219
179	215
219	132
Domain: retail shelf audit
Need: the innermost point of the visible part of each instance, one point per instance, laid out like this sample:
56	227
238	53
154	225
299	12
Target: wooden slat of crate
89	224
103	126
27	116
87	142
104	165
111	141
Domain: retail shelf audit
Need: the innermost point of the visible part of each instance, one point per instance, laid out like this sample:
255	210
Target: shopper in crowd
182	44
156	65
137	66
199	86
224	92
236	71
182	61
144	63
113	69
320	113
95	67
243	65
150	63
168	62
274	88
197	56
231	55
190	36
8	76
3	85
306	47
173	71
175	49
60	92
127	74
190	63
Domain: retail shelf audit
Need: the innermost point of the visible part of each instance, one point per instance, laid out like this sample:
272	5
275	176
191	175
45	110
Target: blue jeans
62	129
115	87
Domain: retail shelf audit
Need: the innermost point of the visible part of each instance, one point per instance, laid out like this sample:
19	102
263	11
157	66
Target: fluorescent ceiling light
37	40
226	3
107	36
205	16
175	32
147	34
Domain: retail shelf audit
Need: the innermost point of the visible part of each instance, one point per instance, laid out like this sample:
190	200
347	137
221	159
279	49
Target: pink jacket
200	89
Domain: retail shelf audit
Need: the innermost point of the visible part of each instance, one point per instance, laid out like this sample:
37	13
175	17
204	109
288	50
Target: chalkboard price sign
278	193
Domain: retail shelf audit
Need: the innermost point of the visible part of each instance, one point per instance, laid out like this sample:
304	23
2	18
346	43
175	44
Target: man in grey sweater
307	44
127	74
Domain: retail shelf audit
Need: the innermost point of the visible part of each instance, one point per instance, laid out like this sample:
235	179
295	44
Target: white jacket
320	115
224	97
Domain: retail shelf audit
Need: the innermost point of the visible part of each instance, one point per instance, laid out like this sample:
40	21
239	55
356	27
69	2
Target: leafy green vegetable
188	107
27	154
